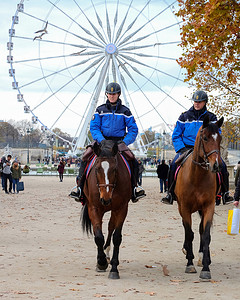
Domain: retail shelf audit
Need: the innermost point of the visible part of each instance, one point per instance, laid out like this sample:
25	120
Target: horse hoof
100	268
205	275
113	275
190	269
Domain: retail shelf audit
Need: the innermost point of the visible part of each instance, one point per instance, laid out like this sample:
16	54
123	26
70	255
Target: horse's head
208	143
106	169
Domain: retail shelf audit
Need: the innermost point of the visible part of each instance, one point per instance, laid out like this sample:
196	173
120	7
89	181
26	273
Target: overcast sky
153	96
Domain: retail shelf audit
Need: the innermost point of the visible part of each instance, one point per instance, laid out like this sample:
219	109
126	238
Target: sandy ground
45	255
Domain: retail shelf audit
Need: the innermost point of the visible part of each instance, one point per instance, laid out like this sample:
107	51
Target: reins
205	163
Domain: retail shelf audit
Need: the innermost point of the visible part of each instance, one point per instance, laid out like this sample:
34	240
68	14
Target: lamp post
28	132
164	134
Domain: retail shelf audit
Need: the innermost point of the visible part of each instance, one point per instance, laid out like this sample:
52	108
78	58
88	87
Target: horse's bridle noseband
205	164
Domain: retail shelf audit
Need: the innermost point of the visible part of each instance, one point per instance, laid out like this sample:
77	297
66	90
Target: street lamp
28	132
164	134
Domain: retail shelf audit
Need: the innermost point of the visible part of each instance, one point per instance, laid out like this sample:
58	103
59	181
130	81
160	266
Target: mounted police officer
184	136
110	122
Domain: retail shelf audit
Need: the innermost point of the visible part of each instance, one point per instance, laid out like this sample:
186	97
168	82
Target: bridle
105	185
205	164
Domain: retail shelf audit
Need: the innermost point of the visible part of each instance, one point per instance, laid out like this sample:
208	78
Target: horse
107	188
196	189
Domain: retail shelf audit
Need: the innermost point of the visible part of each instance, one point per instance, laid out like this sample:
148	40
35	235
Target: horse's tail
86	222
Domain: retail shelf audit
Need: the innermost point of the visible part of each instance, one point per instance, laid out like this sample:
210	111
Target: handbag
20	186
233	221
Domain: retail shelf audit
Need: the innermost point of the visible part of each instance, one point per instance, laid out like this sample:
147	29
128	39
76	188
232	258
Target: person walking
7	174
140	171
237	173
184	136
162	171
60	169
16	176
3	160
112	121
237	193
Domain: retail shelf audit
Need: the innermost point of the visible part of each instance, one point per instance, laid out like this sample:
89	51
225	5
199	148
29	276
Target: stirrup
227	199
138	195
76	195
168	199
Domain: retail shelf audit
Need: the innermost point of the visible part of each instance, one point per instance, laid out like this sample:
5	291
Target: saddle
183	157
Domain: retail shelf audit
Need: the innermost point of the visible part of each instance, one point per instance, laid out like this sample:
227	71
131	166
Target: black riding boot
79	195
226	198
136	195
171	186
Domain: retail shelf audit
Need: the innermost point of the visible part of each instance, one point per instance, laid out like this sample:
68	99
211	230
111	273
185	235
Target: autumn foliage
210	39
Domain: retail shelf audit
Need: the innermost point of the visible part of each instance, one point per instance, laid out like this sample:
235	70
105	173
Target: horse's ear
205	121
220	122
96	148
115	149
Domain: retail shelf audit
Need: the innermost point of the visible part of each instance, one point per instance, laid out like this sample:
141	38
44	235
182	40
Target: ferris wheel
62	54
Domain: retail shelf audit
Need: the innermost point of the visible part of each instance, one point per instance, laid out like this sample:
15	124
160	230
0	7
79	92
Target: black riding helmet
113	88
199	96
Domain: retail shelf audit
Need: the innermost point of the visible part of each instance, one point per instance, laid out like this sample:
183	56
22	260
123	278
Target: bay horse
107	188
196	189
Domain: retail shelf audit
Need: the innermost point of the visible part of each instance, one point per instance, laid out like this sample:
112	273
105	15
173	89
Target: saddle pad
93	159
90	165
126	163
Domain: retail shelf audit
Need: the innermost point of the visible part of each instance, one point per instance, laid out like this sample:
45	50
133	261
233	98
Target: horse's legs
189	236
200	252
117	239
96	219
102	263
206	239
108	242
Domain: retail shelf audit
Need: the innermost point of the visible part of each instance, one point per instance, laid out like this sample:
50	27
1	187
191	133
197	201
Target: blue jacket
112	121
187	126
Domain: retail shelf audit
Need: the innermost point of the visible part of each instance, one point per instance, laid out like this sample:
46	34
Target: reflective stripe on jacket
112	121
187	126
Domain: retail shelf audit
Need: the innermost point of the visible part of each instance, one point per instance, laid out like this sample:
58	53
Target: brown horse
107	188
196	189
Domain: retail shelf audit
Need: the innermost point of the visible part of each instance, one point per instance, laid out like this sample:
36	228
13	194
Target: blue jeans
15	184
163	183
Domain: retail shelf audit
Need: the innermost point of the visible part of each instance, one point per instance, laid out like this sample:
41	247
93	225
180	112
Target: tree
210	39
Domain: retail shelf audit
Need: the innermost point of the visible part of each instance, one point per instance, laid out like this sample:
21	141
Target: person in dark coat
162	171
237	193
60	169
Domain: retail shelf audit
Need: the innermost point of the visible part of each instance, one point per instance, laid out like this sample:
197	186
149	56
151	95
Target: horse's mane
107	148
212	128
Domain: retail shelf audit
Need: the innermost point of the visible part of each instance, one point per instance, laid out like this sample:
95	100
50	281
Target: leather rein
205	164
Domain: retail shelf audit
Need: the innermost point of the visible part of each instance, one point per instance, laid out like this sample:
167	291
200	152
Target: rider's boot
226	198
79	195
171	186
136	195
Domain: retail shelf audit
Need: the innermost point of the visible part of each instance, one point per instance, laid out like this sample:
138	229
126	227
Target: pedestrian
184	136
16	176
140	171
3	159
162	171
237	173
113	121
7	174
237	193
60	169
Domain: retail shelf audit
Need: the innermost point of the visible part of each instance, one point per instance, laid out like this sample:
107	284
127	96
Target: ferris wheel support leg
83	135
